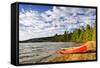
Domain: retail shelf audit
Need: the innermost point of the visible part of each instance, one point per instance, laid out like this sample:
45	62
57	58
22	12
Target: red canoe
80	49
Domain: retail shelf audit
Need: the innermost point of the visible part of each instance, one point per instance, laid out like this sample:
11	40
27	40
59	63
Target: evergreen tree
94	32
87	33
82	34
78	35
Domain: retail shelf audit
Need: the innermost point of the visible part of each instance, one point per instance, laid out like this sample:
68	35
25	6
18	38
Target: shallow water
38	51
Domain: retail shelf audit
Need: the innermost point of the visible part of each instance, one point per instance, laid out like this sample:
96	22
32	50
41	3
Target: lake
39	52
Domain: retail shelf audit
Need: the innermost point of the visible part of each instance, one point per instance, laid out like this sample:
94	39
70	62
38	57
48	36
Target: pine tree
65	36
87	33
94	32
82	34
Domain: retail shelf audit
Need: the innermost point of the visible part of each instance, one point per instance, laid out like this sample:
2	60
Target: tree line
84	34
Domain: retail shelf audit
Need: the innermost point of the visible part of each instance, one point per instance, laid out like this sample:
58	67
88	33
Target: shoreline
54	56
90	54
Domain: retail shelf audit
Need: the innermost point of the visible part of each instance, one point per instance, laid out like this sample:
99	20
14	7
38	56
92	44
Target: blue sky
37	21
34	7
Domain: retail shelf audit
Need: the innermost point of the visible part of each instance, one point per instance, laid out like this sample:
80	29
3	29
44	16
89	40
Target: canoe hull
80	49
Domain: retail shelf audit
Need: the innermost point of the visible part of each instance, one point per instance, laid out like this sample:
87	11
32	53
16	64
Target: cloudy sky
37	21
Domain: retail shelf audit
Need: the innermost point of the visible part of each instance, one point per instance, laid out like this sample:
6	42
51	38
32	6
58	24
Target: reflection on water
36	52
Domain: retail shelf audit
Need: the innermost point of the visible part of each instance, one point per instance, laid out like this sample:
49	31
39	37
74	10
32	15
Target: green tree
82	34
94	32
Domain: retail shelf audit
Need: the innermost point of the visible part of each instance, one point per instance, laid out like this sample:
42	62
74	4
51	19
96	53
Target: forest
83	34
78	35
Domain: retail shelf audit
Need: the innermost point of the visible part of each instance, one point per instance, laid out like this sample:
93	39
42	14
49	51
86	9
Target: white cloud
33	24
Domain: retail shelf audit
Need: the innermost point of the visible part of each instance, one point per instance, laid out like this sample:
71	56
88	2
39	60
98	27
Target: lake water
37	52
